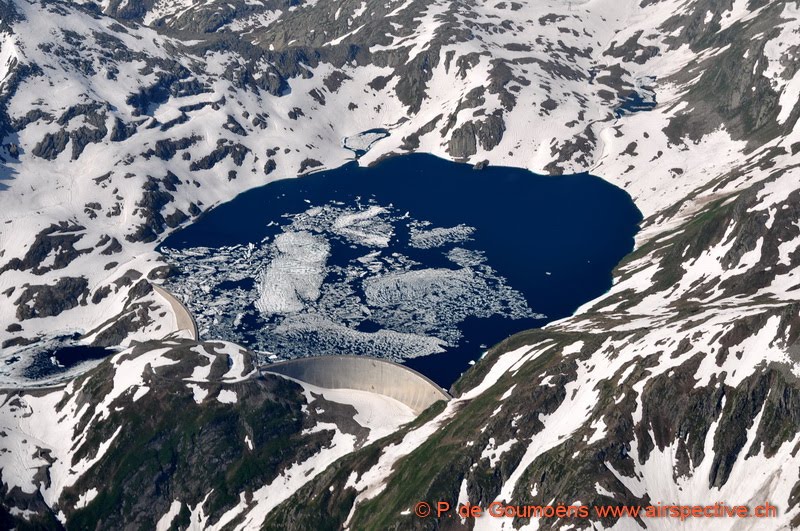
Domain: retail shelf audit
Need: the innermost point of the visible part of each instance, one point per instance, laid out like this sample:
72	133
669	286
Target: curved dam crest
184	320
373	375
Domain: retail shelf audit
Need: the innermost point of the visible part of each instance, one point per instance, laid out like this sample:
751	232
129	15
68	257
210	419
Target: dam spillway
364	374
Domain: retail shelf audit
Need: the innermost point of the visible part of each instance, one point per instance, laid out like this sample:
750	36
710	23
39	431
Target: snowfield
121	122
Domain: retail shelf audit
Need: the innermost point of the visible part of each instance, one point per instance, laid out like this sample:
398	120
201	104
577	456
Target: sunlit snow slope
121	121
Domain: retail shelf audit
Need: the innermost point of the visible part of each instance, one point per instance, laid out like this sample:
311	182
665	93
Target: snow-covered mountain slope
117	133
678	387
164	424
121	121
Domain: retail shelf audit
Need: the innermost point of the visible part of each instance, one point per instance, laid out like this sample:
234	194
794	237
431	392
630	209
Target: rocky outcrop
683	374
486	133
56	242
48	301
237	152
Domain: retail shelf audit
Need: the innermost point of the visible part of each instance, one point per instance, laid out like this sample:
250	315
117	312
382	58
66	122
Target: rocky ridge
684	373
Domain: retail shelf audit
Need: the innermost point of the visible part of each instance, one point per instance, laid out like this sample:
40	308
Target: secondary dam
184	321
363	373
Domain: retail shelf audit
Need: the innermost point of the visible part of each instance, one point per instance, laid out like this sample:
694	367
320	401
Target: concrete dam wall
364	374
183	317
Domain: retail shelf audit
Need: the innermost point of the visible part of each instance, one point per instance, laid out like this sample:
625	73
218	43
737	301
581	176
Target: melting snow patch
85	498
165	522
198	392
226	396
140	392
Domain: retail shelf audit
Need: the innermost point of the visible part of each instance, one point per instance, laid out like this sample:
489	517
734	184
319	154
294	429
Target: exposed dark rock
465	139
317	96
122	131
334	80
166	149
411	142
83	136
176	218
58	240
150	97
236	151
307	164
17	342
268	411
170	182
412	84
234	127
100	294
113	247
127	278
82	109
51	145
49	301
153	200
632	51
162	272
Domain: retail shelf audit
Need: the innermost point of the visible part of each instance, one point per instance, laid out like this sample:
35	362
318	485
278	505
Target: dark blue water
58	360
554	239
361	152
634	103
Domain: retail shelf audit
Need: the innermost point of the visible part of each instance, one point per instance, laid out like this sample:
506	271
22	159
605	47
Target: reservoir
415	259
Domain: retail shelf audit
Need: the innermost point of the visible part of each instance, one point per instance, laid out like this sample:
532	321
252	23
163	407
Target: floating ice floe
345	279
428	239
295	274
